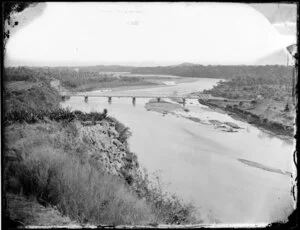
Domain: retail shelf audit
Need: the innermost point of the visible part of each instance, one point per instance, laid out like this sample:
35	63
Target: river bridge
134	97
182	98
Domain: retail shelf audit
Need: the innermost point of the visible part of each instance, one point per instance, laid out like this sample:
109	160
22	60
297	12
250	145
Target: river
199	162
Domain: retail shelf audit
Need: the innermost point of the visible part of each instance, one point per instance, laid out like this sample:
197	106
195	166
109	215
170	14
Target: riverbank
146	83
262	101
90	81
278	128
80	163
117	85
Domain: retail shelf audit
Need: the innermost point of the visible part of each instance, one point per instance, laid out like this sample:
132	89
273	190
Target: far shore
281	133
94	88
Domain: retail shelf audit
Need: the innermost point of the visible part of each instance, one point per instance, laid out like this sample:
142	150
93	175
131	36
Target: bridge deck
199	96
130	96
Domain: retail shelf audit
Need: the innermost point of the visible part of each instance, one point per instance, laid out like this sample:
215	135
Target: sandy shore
163	106
264	167
278	129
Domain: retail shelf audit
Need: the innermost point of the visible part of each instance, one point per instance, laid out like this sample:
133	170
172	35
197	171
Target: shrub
41	97
60	114
167	207
286	109
124	132
78	190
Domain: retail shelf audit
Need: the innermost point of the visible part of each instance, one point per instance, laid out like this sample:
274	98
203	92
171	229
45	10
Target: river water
199	162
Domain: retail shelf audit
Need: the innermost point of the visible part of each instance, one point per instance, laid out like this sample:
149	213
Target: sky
147	34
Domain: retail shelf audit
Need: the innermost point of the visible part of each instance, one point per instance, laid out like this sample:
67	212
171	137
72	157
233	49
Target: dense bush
168	207
39	97
22	74
124	132
60	114
274	86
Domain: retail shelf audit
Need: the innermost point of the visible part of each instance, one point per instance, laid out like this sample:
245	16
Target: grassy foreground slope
78	163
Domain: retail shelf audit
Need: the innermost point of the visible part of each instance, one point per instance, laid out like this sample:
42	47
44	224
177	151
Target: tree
105	113
10	8
286	109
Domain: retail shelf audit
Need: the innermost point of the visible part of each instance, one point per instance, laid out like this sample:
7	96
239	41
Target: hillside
76	164
265	101
223	72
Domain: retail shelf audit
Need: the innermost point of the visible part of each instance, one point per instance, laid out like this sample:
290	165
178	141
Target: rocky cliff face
98	143
106	150
56	161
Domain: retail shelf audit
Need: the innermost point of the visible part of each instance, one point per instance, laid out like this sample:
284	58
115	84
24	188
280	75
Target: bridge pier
85	98
183	101
158	99
109	100
133	100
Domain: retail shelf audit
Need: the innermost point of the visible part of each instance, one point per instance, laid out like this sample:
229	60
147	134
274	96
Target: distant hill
186	64
183	70
216	71
106	68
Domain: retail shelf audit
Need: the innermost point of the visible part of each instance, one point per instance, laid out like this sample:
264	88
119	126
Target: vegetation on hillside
265	101
277	87
215	71
34	98
26	74
49	165
42	160
9	9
